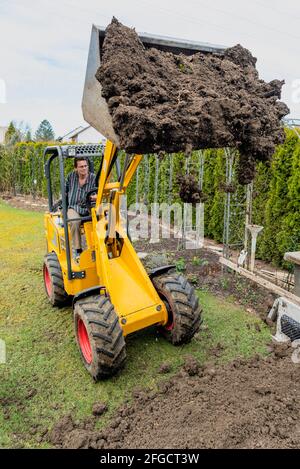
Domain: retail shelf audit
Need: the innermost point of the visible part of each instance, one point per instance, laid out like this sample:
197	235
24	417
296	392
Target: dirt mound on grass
160	101
244	404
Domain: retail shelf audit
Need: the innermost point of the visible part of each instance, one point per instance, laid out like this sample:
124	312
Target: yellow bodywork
110	259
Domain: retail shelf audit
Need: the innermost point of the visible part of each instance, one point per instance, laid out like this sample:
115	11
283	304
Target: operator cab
94	156
57	220
63	156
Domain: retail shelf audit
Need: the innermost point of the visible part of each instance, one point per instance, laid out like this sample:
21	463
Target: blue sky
44	46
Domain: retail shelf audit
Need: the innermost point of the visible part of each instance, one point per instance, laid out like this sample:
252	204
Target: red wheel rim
47	280
84	341
170	324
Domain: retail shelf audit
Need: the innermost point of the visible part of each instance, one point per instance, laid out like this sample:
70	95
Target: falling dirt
189	190
245	404
160	101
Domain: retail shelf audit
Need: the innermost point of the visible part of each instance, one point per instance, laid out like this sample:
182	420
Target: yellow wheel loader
112	293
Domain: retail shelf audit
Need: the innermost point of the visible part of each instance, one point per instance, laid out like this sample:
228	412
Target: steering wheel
88	202
56	206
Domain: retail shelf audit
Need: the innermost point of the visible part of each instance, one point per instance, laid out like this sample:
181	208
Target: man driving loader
79	182
112	293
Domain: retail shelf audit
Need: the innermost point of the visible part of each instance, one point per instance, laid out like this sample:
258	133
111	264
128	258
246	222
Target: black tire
99	336
183	307
53	281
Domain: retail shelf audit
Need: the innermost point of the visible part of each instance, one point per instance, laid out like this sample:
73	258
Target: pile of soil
246	404
161	101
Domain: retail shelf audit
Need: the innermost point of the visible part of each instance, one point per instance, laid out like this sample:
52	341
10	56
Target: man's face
82	168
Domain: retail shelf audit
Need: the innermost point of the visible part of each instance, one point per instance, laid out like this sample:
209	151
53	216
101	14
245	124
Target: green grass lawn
43	378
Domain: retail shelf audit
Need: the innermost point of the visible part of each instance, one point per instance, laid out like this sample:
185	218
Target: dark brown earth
244	404
189	190
160	101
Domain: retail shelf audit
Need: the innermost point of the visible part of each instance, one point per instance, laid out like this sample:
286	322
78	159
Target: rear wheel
184	310
99	336
53	281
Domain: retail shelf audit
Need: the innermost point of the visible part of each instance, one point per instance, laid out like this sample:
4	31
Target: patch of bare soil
26	202
203	270
161	101
244	404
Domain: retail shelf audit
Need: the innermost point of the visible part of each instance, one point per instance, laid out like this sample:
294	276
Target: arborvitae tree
12	135
288	238
209	187
261	192
28	137
276	207
260	197
44	132
215	218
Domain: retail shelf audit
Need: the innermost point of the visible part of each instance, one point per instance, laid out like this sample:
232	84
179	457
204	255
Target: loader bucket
94	106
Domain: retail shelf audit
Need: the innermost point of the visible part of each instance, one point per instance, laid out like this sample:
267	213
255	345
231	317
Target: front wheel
99	336
184	310
53	281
